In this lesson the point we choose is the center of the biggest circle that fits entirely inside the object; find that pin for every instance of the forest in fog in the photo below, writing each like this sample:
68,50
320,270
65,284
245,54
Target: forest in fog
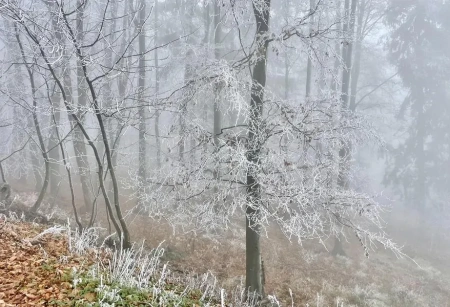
322,121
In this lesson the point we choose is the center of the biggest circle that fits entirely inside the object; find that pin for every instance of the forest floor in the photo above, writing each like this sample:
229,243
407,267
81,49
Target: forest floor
42,265
31,272
38,267
308,275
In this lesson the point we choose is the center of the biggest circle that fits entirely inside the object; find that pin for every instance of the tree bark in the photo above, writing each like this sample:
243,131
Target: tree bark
253,281
309,64
217,88
188,73
337,49
345,149
142,169
53,154
347,54
79,145
183,106
35,164
357,60
69,174
157,113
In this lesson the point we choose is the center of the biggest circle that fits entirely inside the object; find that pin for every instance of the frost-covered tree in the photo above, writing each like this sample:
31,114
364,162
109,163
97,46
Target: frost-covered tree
80,41
271,170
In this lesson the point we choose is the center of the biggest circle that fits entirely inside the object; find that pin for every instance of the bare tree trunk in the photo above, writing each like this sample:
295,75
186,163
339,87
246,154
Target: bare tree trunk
108,94
142,171
69,174
121,87
345,150
124,234
33,149
287,70
420,185
38,202
157,114
2,173
19,135
357,60
35,164
347,50
337,49
309,65
347,54
188,72
189,75
53,154
79,145
253,281
217,88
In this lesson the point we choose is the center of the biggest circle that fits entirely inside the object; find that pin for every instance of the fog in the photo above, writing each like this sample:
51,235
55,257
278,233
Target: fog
299,136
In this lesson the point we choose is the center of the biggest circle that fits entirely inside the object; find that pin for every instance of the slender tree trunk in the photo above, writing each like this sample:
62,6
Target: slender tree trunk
69,174
349,30
182,109
337,50
285,143
37,127
33,148
217,89
345,30
79,144
420,185
18,133
2,173
142,173
345,150
35,164
188,73
109,96
53,154
253,281
157,114
122,230
312,5
78,139
124,234
121,87
190,70
347,54
357,59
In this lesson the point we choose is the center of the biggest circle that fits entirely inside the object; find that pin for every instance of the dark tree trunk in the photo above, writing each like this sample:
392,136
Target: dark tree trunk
217,110
309,64
37,127
79,144
253,281
53,154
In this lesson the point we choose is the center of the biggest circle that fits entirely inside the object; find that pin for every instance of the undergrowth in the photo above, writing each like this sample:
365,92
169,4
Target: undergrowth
137,277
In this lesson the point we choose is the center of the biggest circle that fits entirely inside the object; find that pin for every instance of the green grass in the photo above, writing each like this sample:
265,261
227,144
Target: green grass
90,291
